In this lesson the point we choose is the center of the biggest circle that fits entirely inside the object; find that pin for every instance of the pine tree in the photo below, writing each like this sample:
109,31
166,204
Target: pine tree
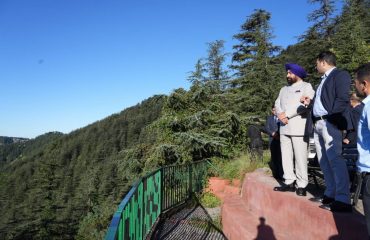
214,64
253,62
350,40
323,21
45,207
317,38
197,76
366,20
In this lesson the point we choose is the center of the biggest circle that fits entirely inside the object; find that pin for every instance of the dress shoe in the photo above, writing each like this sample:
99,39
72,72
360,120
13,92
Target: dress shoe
324,199
301,192
337,206
285,188
325,206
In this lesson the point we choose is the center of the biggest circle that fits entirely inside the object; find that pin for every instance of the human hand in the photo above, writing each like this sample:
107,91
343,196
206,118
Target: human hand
305,100
284,120
281,116
346,141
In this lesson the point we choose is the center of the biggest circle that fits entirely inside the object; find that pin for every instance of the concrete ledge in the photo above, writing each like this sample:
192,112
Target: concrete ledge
296,216
240,223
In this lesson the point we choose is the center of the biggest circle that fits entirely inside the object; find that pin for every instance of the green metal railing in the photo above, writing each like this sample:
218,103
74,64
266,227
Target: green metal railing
153,194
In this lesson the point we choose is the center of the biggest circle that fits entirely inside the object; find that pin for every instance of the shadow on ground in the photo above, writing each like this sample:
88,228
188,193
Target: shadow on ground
190,221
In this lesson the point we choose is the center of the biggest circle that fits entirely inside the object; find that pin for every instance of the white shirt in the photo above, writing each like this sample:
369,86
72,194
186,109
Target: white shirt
318,108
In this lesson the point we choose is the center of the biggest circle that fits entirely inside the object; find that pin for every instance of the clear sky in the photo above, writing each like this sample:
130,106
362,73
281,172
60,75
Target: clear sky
67,63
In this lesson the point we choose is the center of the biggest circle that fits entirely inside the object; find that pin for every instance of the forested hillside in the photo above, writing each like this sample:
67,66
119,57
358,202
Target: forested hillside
68,186
60,182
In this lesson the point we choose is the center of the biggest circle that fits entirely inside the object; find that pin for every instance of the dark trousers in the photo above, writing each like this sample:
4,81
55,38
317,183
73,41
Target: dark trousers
256,149
276,164
366,200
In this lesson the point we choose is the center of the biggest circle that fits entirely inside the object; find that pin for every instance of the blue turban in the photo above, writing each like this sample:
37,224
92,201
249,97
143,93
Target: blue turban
296,70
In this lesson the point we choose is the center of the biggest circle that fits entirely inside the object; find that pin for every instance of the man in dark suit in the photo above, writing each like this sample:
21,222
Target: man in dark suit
330,114
272,129
351,136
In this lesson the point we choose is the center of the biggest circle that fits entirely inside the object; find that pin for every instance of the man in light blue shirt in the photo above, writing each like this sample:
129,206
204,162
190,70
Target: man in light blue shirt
319,109
362,84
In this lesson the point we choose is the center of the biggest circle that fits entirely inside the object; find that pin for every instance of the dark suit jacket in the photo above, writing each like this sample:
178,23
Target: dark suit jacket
271,126
355,116
335,99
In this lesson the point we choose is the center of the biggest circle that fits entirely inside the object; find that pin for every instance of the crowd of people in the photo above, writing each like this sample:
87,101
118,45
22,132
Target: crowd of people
333,117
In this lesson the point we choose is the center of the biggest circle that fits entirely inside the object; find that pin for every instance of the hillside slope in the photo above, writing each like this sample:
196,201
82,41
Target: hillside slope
58,185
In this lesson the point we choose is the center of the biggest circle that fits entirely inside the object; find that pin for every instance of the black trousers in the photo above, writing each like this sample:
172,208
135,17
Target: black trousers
276,164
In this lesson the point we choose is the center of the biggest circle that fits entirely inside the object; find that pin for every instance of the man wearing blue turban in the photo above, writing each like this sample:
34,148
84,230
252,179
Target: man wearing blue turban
293,115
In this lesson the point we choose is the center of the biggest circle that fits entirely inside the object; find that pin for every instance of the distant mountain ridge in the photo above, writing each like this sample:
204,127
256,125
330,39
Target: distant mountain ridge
9,140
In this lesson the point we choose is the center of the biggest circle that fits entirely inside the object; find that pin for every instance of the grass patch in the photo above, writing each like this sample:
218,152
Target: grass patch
209,200
238,167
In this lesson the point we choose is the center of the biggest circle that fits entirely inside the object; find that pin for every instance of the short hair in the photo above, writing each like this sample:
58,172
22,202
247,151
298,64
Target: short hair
328,57
363,72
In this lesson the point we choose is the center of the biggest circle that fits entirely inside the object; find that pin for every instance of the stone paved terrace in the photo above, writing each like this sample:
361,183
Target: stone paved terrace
285,216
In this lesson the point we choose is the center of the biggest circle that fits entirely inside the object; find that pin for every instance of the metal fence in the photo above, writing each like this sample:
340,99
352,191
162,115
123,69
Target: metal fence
153,194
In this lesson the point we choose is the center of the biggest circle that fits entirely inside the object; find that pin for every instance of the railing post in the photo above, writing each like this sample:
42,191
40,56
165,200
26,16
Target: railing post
143,208
190,180
162,189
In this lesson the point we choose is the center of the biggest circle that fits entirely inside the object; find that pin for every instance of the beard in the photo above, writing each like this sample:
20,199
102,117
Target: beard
291,80
358,93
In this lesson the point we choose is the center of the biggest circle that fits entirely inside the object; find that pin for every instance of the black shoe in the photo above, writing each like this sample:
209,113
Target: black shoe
285,188
325,206
338,206
301,191
324,199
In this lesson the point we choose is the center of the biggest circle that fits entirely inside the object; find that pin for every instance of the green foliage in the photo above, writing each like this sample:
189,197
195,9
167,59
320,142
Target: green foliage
253,58
323,21
197,76
236,168
94,224
209,200
61,185
214,65
350,40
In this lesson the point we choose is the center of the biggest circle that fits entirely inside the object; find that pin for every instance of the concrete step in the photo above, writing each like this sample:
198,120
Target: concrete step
296,216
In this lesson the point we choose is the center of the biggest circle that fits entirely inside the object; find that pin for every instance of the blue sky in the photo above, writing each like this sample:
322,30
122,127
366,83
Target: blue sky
67,63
